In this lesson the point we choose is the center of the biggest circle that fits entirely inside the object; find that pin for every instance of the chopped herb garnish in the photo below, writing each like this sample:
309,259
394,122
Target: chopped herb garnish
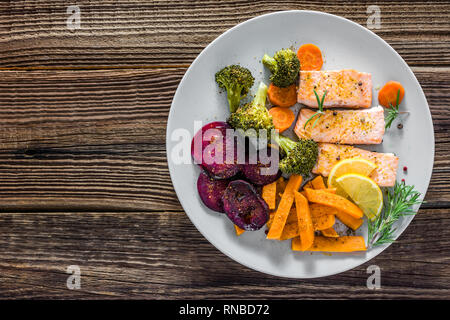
318,113
392,112
399,202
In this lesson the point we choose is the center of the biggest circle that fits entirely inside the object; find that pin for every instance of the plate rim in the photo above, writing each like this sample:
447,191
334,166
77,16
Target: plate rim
224,34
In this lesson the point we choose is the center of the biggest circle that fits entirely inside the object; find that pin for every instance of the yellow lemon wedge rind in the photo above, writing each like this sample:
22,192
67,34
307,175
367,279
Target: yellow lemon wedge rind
364,192
353,165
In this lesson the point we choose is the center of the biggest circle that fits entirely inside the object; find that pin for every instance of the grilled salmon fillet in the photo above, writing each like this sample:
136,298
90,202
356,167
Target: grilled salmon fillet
329,154
345,88
343,126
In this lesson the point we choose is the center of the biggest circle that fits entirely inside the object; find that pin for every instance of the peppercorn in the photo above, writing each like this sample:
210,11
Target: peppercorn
400,126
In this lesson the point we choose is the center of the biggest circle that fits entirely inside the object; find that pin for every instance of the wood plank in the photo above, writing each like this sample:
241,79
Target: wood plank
167,33
86,140
65,108
95,140
162,255
437,90
82,141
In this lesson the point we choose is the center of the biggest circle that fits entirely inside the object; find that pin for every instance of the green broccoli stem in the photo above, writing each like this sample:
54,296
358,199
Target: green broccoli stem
260,96
269,62
234,98
285,143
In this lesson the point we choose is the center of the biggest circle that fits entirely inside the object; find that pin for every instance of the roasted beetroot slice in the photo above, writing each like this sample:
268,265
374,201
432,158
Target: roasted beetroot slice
259,173
197,152
253,174
210,141
211,191
244,206
222,170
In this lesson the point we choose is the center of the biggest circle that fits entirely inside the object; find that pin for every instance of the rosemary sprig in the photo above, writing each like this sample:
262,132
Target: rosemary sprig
399,203
392,112
318,113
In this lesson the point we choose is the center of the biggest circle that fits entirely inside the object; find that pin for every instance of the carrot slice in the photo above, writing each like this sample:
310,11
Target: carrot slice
305,224
349,221
341,244
323,222
269,194
239,231
282,118
282,97
318,183
387,96
335,201
269,222
291,229
281,184
308,185
284,207
310,57
320,209
330,233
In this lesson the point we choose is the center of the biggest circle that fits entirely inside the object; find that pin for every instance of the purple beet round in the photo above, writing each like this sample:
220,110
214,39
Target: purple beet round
213,137
260,173
244,206
211,191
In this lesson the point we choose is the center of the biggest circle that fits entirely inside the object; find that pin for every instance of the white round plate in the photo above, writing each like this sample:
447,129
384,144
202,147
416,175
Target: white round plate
344,44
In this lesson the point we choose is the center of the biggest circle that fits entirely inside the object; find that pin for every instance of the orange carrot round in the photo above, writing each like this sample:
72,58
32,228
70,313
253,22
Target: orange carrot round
282,118
310,57
282,97
387,96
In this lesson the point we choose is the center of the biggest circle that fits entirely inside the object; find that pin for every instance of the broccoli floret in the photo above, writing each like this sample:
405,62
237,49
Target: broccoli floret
285,67
253,115
237,81
301,156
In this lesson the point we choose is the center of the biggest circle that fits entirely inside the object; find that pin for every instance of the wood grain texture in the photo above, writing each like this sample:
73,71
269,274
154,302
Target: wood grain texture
123,255
166,33
84,178
95,140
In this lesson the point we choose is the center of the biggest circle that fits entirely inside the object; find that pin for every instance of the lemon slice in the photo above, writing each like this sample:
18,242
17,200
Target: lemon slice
364,192
353,165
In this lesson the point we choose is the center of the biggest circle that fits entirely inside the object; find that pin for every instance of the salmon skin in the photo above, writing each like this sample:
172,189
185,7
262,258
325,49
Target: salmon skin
343,126
329,154
345,88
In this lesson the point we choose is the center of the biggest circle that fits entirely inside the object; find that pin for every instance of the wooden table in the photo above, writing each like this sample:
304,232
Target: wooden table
83,173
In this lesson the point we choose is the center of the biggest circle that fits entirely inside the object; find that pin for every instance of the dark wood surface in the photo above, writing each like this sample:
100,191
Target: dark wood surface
83,173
